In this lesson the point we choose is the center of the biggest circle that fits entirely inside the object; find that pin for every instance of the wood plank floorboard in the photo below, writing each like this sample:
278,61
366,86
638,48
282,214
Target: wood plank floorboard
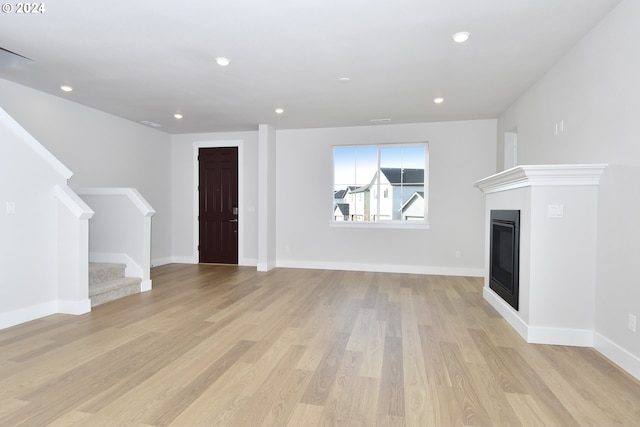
220,345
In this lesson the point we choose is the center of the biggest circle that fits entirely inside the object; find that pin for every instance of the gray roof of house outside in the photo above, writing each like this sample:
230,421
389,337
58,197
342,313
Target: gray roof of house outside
397,176
344,208
361,189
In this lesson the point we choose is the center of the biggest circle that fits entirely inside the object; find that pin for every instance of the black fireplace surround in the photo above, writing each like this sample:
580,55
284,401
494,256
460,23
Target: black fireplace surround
504,263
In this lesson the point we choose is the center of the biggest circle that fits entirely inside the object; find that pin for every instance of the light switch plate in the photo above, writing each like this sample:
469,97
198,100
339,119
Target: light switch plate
555,211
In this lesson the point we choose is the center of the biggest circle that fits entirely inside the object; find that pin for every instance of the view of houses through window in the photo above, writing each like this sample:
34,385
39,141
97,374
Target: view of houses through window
380,182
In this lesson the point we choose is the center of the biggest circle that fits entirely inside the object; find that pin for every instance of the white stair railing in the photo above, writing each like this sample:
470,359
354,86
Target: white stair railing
73,252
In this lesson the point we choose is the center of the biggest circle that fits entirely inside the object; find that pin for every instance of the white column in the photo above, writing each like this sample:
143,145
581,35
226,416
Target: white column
266,198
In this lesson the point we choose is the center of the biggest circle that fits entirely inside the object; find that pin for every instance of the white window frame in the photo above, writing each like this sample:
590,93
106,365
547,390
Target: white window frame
400,224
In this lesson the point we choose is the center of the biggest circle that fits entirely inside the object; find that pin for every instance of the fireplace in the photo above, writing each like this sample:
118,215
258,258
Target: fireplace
555,258
504,262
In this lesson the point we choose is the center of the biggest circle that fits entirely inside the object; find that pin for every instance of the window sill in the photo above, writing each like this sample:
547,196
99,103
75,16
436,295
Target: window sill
408,225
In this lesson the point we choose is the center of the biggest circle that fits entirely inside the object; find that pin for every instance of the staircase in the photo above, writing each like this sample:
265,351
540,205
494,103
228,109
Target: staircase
107,282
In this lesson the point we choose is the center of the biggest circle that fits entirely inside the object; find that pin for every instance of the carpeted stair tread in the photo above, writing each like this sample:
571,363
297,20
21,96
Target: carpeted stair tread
107,282
113,289
110,285
104,272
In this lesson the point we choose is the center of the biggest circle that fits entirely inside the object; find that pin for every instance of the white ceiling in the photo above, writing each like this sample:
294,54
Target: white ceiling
148,59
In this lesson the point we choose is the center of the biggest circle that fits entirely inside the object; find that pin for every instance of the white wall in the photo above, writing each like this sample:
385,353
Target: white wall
101,150
185,211
594,91
460,153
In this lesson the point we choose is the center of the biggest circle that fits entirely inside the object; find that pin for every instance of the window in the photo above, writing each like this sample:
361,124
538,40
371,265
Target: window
398,172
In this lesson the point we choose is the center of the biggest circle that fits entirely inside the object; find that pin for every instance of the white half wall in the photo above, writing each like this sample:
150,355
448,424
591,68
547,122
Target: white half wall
460,153
30,215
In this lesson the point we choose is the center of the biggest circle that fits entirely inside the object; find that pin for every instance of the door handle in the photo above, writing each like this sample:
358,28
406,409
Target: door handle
233,220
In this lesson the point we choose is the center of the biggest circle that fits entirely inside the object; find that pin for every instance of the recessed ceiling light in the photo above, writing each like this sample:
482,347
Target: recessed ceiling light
438,100
279,110
222,61
66,88
177,115
461,37
344,80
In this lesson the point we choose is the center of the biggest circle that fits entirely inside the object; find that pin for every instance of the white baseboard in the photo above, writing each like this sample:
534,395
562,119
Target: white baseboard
145,285
248,262
167,260
74,307
383,268
245,262
507,312
536,334
560,336
174,260
573,337
27,314
312,265
618,355
266,266
34,312
587,338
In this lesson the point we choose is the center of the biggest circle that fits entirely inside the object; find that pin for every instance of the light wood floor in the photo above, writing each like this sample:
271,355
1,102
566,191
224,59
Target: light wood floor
228,346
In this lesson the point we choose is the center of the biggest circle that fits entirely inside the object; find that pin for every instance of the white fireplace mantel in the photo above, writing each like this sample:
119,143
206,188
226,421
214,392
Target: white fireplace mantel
531,175
558,230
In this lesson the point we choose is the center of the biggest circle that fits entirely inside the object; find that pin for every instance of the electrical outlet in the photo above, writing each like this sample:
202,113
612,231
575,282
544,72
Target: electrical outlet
632,323
458,254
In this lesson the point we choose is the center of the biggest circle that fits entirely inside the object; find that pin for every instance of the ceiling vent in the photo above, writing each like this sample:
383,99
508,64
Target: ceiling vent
9,59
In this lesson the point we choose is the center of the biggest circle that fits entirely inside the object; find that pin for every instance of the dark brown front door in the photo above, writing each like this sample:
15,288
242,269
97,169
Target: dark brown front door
218,217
